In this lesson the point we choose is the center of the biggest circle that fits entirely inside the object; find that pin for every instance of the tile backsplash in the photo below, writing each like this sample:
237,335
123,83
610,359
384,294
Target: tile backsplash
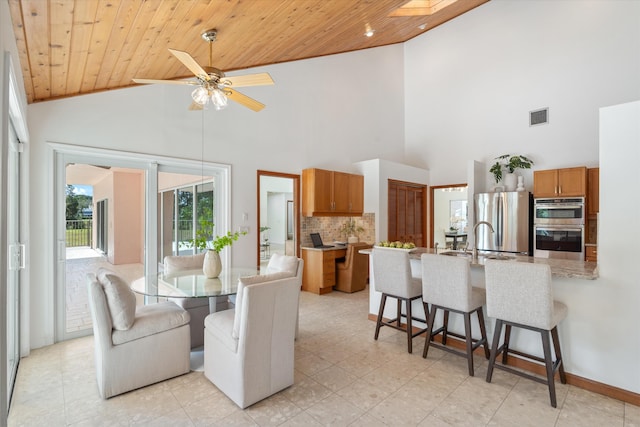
329,228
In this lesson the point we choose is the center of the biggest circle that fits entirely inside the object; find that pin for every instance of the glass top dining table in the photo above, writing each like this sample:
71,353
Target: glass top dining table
193,283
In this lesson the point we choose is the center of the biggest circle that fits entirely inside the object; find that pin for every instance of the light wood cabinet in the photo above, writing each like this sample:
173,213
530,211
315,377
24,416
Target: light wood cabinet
593,192
319,272
568,182
330,193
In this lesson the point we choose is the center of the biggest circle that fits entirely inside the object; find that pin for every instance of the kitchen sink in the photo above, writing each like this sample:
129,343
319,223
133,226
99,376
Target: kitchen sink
499,256
456,253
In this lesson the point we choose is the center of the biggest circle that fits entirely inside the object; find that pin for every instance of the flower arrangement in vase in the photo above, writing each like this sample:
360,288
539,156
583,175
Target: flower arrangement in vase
350,230
204,241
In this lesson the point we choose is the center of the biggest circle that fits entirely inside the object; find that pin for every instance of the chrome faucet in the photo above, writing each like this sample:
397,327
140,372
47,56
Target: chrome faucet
475,237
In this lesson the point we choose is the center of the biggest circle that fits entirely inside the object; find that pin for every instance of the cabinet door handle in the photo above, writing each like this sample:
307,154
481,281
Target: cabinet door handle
560,189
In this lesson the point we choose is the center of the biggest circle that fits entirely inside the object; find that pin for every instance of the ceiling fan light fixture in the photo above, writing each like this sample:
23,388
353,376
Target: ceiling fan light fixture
200,95
219,99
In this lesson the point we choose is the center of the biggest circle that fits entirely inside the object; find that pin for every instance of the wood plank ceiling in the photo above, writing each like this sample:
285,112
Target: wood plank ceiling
74,47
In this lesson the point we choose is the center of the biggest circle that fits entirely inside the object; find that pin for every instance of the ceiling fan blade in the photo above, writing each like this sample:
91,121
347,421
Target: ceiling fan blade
244,100
259,79
195,106
170,82
190,63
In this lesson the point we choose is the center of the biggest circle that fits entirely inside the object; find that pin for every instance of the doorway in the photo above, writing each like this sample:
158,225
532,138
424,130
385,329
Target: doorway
407,207
278,215
449,214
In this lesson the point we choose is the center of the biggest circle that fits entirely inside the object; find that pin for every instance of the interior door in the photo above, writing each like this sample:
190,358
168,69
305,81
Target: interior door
407,212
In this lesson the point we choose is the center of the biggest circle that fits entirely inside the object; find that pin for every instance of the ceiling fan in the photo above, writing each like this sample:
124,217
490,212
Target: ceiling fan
213,85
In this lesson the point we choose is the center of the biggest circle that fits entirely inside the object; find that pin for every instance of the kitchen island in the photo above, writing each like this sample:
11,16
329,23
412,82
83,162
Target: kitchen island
574,282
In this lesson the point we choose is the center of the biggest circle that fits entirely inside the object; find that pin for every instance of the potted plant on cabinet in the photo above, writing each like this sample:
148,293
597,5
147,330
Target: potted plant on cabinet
204,241
510,163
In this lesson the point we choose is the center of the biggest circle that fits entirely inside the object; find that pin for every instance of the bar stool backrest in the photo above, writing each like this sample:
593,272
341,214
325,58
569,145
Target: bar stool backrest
392,272
446,282
520,293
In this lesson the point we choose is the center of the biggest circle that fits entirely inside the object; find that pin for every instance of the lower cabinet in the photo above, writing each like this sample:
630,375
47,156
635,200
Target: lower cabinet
319,274
591,253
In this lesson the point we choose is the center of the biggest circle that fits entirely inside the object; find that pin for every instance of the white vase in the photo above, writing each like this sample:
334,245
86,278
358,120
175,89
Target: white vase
520,183
510,181
353,239
212,266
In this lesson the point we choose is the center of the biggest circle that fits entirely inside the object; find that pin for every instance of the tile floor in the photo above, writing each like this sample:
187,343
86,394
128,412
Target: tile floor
343,377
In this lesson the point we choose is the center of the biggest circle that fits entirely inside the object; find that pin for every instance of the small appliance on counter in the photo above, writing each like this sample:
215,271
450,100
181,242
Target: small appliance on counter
509,212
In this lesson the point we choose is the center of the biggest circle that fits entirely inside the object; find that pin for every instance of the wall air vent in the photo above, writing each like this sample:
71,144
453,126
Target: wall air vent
539,117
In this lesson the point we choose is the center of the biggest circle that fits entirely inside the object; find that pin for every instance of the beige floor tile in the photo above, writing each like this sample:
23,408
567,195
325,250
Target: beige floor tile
631,415
273,410
579,397
367,420
301,420
334,411
334,378
305,391
577,414
311,364
363,395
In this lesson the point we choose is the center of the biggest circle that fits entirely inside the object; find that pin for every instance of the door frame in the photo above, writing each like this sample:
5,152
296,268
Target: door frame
296,208
431,207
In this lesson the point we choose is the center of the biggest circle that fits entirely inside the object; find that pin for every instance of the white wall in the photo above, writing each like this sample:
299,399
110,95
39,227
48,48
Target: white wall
472,82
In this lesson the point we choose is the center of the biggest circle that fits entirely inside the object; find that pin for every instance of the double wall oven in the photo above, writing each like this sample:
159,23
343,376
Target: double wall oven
558,228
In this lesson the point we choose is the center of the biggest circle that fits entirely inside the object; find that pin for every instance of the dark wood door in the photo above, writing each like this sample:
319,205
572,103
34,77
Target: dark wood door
407,209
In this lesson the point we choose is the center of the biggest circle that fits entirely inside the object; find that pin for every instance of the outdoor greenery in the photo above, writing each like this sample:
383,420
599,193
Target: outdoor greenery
205,240
76,203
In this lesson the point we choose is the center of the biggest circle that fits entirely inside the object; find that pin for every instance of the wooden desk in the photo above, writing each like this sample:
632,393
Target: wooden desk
319,274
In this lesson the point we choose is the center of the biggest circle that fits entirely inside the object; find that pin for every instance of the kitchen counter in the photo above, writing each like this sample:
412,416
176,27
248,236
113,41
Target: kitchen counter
559,267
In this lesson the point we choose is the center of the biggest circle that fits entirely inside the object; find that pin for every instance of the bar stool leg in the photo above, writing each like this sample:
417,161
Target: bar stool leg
399,312
383,301
430,321
494,349
556,346
469,341
546,347
505,347
409,326
445,325
483,332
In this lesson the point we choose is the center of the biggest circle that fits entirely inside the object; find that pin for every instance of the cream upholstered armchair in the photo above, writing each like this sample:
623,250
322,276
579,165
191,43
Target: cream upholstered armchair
249,351
198,308
134,346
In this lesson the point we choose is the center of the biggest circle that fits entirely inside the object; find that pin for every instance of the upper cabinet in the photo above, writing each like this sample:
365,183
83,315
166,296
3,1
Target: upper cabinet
593,196
569,182
329,193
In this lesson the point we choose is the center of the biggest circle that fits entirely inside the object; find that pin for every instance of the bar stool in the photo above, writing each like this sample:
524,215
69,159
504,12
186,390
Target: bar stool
446,285
521,295
392,277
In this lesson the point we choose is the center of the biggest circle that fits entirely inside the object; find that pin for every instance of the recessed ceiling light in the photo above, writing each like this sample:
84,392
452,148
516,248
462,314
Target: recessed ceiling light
368,31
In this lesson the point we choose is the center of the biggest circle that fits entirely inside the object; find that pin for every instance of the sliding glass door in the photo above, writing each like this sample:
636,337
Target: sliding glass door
15,261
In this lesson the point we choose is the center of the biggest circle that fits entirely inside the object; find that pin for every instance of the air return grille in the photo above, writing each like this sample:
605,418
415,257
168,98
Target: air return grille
538,117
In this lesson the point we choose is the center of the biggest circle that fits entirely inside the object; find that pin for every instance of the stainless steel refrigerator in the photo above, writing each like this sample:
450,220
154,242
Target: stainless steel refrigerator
510,214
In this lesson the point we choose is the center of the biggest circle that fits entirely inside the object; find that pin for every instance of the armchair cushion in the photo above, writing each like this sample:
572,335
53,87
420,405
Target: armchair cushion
152,319
252,280
120,298
221,326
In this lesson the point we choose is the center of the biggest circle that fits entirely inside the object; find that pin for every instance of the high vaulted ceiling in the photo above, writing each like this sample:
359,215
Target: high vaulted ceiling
73,47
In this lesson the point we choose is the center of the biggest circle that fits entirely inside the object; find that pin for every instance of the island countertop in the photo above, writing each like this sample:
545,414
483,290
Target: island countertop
559,267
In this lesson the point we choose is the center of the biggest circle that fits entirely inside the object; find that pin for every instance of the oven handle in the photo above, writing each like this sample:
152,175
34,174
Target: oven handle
571,206
558,228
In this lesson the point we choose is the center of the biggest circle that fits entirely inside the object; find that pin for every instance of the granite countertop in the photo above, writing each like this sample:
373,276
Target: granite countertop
559,267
